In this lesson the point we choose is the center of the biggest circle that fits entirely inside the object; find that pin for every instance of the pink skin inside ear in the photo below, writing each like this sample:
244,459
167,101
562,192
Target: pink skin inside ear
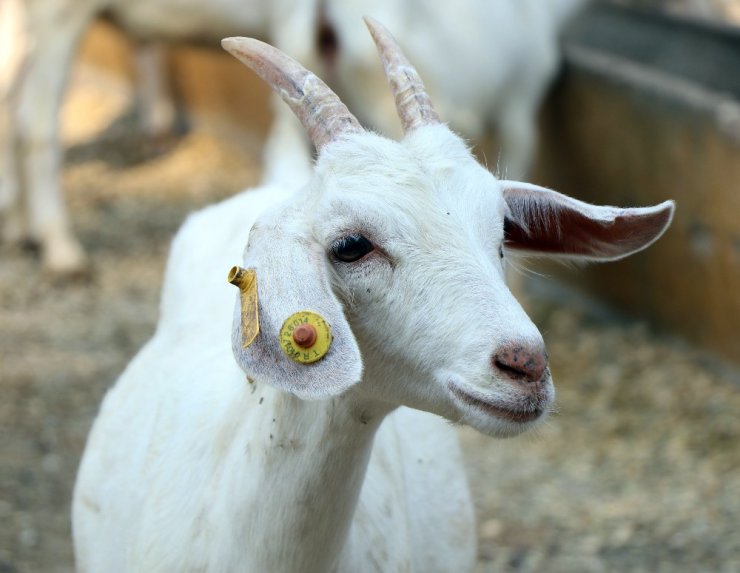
543,221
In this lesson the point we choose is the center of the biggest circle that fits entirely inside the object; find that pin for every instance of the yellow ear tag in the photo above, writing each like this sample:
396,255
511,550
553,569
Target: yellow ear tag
305,337
246,280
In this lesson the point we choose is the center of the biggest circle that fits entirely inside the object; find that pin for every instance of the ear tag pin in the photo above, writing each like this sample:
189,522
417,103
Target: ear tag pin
246,280
305,337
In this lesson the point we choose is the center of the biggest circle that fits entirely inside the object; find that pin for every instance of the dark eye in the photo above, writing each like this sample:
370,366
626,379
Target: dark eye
351,248
501,251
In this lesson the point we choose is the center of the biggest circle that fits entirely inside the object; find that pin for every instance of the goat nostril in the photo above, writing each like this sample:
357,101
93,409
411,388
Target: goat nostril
511,371
520,363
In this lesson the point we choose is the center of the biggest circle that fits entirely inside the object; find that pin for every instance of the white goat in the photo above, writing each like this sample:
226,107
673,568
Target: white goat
492,68
485,64
204,460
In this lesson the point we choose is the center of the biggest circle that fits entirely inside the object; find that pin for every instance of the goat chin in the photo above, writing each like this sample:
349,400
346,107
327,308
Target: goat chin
496,411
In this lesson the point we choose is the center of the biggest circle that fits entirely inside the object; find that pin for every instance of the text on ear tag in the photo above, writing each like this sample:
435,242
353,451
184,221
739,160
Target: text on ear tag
246,280
305,337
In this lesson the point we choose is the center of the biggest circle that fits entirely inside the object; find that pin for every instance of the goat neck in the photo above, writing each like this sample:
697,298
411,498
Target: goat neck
317,454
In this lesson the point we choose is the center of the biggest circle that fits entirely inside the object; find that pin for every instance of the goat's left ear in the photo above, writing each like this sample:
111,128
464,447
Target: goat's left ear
292,276
541,221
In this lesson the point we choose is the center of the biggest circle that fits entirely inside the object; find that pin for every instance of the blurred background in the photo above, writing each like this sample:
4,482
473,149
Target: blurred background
639,102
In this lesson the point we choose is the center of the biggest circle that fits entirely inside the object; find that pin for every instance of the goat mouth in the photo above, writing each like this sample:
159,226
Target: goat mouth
517,416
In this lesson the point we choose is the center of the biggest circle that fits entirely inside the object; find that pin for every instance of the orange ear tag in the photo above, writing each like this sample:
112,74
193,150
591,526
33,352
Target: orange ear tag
246,280
305,337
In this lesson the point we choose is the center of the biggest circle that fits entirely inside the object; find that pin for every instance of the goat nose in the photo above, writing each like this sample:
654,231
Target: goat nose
520,361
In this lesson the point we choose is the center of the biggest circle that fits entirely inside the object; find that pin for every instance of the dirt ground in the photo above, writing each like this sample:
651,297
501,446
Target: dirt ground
638,471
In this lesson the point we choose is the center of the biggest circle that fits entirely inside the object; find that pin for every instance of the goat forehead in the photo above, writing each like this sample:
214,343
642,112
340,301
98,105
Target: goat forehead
411,161
415,179
434,213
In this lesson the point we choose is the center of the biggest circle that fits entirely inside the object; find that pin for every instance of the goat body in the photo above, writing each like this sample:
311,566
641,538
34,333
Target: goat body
485,64
209,459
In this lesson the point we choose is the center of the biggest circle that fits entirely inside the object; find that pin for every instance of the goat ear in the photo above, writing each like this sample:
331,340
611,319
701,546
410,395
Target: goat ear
541,221
291,277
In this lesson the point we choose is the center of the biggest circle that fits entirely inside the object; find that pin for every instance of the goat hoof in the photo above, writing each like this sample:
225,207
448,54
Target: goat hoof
65,259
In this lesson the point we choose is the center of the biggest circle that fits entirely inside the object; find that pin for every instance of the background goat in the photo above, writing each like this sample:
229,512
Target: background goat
315,467
52,29
515,40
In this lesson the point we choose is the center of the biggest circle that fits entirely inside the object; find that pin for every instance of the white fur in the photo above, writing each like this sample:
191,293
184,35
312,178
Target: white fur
486,64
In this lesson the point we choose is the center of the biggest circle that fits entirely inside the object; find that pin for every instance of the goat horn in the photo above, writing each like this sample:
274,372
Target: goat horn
412,102
318,108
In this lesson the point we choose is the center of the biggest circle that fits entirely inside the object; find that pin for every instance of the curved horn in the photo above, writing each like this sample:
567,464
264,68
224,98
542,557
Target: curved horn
318,108
412,102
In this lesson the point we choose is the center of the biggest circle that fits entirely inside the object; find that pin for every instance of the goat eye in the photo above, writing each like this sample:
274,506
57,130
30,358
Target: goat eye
351,248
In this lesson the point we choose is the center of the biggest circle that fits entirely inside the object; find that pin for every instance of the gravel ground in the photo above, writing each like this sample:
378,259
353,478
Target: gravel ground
639,470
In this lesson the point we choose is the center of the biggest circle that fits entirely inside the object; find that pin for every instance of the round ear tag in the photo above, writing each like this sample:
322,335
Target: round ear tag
305,337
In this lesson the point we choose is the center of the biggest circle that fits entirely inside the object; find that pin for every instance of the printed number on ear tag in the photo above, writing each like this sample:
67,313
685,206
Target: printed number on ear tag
305,337
246,280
